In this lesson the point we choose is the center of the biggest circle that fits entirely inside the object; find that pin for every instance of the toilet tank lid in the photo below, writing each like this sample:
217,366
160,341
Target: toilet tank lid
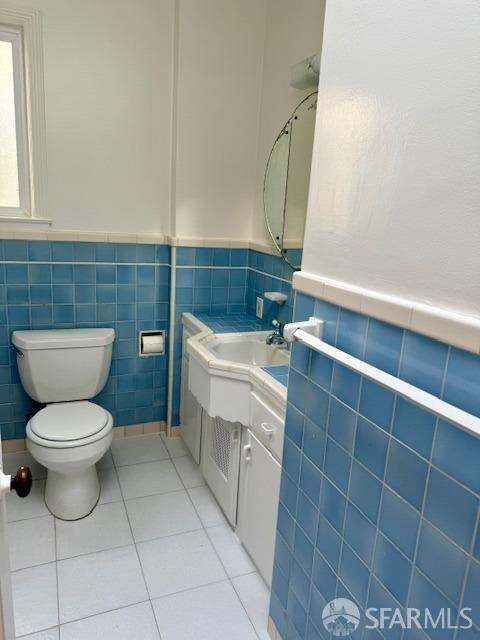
62,338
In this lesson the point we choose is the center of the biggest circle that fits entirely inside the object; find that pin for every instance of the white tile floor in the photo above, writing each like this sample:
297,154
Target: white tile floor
156,560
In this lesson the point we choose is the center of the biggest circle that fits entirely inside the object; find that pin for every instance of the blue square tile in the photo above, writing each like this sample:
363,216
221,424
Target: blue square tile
286,525
371,445
146,311
105,273
392,568
126,253
425,596
423,362
310,480
307,516
341,424
127,293
457,453
321,369
39,273
62,273
84,252
314,442
451,508
291,460
352,331
337,465
145,274
163,254
441,561
84,293
346,385
329,542
300,584
202,296
294,425
354,574
106,312
39,250
62,293
62,251
203,256
304,306
324,579
303,551
376,404
381,598
237,278
17,294
185,256
384,345
145,293
84,313
105,293
16,249
126,274
399,522
203,277
220,278
297,618
414,426
184,278
41,315
239,257
365,491
63,314
332,505
84,274
461,383
359,533
221,257
406,474
16,273
329,314
146,253
104,252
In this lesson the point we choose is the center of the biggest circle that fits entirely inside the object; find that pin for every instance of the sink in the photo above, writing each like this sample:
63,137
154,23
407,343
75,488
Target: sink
248,349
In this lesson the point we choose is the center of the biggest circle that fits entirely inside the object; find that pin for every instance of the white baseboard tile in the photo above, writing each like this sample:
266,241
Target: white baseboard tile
272,630
453,328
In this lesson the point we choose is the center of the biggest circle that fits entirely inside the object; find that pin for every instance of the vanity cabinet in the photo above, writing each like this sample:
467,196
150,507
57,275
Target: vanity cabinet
259,489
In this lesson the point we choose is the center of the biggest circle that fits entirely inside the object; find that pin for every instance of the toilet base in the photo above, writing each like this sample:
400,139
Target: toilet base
72,495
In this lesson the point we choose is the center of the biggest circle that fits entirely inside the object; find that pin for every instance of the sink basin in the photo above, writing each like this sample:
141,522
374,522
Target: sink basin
247,349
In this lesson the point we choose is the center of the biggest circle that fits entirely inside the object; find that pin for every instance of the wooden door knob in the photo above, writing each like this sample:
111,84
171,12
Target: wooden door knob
22,482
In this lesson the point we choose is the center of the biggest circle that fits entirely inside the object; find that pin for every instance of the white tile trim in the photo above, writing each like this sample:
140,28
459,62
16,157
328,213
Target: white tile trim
447,326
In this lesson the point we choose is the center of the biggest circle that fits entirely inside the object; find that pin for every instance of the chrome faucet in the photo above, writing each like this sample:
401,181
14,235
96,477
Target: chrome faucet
277,336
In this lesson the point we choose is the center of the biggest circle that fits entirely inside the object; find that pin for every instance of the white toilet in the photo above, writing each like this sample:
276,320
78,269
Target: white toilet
64,368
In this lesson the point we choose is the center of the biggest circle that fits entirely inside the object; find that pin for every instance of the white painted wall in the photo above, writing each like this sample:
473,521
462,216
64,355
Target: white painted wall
395,190
219,81
108,78
293,32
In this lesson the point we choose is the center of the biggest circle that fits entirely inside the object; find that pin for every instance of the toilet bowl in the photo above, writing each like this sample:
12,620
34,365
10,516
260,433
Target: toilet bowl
65,368
69,438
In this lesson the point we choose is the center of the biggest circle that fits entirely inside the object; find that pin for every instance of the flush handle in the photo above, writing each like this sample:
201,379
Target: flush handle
247,452
267,429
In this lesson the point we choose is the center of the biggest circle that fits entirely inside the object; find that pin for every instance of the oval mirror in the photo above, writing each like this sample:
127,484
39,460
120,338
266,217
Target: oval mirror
287,177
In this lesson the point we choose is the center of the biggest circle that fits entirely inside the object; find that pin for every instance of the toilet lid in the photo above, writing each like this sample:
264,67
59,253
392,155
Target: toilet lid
63,421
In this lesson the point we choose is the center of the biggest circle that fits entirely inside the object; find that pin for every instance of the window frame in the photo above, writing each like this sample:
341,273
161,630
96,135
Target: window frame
28,22
14,36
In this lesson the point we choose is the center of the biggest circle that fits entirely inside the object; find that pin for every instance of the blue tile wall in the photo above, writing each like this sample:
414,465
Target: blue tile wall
379,500
45,285
224,283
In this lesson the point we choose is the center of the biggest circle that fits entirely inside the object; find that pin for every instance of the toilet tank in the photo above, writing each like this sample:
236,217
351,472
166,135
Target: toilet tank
63,364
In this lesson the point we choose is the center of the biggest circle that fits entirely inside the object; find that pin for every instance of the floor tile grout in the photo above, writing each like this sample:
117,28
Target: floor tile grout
135,544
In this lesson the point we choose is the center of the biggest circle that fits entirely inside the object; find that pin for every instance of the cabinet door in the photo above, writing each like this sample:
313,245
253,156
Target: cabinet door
258,503
220,460
191,415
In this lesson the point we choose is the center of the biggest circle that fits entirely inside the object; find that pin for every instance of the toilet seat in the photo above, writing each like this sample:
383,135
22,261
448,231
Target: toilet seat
69,424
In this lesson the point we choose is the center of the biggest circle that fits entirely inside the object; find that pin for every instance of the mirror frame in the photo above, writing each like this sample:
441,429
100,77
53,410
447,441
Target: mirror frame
279,248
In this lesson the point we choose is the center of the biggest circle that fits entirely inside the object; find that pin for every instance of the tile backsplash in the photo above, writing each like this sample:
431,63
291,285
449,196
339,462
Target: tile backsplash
47,285
379,499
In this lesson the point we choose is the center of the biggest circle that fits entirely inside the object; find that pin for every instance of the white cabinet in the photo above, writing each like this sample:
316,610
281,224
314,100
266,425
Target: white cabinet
258,502
190,410
220,461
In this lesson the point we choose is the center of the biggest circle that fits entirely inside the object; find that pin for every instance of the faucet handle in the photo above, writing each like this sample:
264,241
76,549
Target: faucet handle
275,323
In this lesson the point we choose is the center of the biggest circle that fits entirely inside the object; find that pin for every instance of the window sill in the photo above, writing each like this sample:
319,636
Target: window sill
23,220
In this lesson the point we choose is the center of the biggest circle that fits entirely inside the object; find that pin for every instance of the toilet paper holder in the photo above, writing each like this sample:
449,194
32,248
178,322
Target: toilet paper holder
151,343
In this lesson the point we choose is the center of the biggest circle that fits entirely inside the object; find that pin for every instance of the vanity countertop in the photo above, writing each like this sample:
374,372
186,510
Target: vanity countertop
279,372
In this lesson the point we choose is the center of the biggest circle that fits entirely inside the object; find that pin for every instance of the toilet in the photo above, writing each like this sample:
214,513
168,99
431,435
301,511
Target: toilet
63,369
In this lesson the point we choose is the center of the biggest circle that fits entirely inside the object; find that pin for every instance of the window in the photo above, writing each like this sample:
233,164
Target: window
22,116
14,170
